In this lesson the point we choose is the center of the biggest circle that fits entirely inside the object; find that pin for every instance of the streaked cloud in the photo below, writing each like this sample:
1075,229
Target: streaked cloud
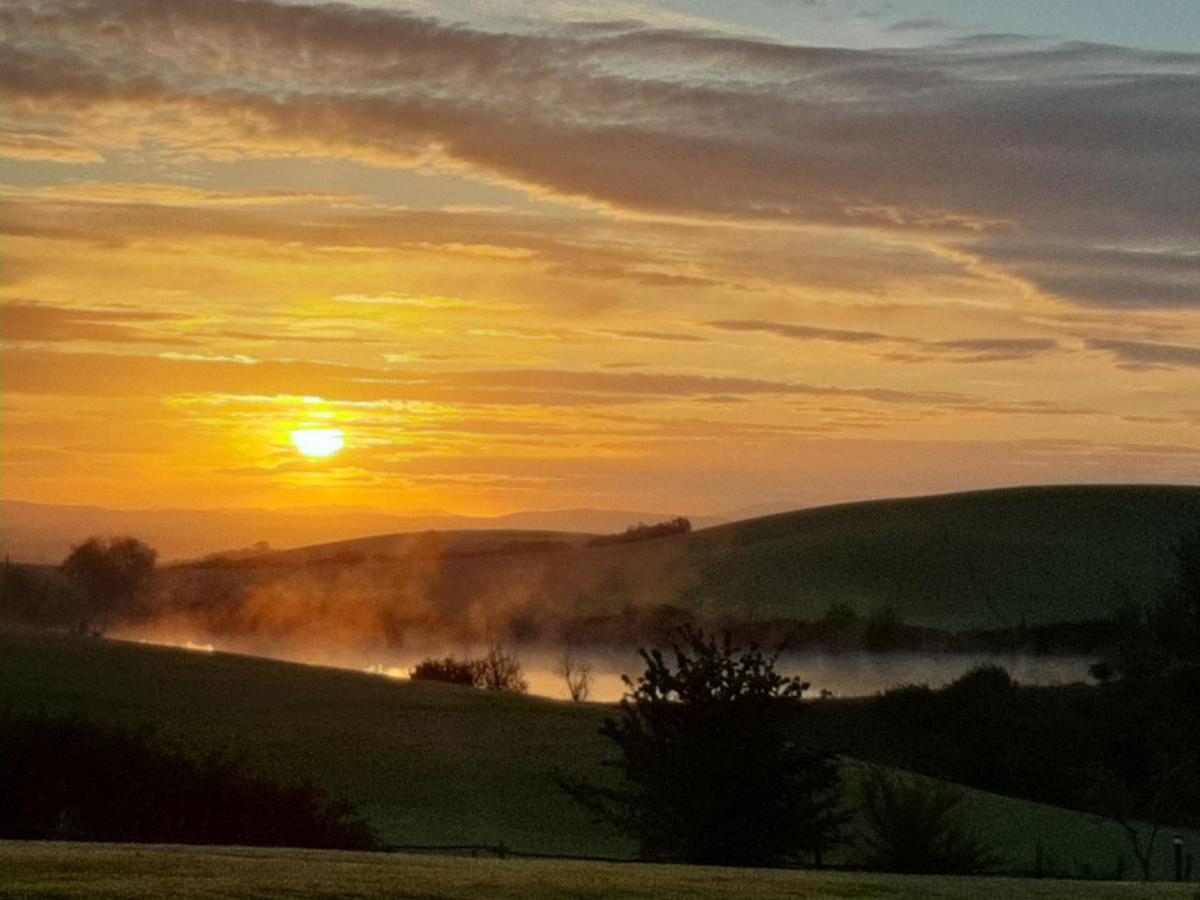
1145,355
517,255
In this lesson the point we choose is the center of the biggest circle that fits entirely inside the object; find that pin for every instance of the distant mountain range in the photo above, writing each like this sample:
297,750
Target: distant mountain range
45,533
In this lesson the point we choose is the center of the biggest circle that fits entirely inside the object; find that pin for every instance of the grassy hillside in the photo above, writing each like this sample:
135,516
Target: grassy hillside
427,763
986,559
65,871
428,543
983,560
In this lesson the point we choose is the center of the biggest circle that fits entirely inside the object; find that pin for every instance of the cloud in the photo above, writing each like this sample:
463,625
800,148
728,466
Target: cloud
672,337
186,195
977,350
909,25
1109,276
967,350
800,332
24,322
46,148
1140,356
1077,145
127,375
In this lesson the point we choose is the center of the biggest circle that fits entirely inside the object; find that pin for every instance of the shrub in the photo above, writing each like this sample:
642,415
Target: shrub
500,670
917,825
497,670
72,779
643,532
449,670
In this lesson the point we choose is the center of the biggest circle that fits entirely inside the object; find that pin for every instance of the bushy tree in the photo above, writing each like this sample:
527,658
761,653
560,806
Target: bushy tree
918,825
109,574
711,771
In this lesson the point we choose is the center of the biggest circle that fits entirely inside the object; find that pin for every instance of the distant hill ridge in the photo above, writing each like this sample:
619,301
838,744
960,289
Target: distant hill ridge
44,533
995,559
984,559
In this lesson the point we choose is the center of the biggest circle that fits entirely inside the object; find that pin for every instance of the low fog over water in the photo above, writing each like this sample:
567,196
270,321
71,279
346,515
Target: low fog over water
845,674
842,674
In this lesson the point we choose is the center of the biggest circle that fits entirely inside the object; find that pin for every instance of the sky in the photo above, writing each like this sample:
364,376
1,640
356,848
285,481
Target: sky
688,256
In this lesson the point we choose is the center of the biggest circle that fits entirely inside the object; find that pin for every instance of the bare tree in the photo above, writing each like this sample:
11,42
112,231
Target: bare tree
576,673
500,670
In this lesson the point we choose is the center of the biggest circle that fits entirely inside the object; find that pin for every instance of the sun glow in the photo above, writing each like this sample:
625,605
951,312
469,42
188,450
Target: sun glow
317,443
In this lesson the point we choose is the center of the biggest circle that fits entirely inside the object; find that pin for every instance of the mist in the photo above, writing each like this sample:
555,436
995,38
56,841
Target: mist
856,674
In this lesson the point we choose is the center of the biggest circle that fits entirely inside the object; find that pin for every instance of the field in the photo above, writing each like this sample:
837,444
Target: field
428,764
119,871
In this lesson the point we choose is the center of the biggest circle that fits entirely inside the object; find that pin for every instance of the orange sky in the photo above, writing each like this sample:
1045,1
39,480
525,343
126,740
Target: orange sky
558,264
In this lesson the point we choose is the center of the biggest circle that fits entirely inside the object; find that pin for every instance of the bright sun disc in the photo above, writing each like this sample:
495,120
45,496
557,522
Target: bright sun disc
318,442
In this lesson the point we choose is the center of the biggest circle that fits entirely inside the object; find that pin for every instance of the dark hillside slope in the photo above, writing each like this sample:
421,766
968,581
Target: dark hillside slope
425,763
981,559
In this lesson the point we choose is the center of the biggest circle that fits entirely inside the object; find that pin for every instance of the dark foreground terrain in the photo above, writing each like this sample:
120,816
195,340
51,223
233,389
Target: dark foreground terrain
86,871
430,764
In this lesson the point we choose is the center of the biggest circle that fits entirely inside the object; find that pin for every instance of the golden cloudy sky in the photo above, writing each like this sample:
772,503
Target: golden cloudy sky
534,256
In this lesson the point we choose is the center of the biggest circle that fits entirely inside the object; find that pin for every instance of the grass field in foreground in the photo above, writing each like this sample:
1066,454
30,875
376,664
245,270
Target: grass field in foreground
66,871
431,763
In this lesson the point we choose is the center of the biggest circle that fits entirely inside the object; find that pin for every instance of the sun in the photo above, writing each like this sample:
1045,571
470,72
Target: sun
317,443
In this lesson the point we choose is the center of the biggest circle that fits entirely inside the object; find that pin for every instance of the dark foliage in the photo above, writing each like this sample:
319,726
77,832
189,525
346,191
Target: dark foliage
710,771
449,670
1111,749
109,575
642,532
1174,618
985,731
917,825
497,670
884,631
500,670
71,779
39,596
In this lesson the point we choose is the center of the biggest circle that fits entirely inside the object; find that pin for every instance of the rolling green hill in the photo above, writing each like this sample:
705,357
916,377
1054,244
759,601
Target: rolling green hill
998,559
988,559
426,763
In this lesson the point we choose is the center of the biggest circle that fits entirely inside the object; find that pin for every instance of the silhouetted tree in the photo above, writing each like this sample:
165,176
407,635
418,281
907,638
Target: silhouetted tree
1169,791
1174,617
883,631
1163,634
449,670
711,772
576,674
500,670
109,574
840,627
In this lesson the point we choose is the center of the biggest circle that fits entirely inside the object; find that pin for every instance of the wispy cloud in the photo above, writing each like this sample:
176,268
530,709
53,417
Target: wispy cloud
1145,355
